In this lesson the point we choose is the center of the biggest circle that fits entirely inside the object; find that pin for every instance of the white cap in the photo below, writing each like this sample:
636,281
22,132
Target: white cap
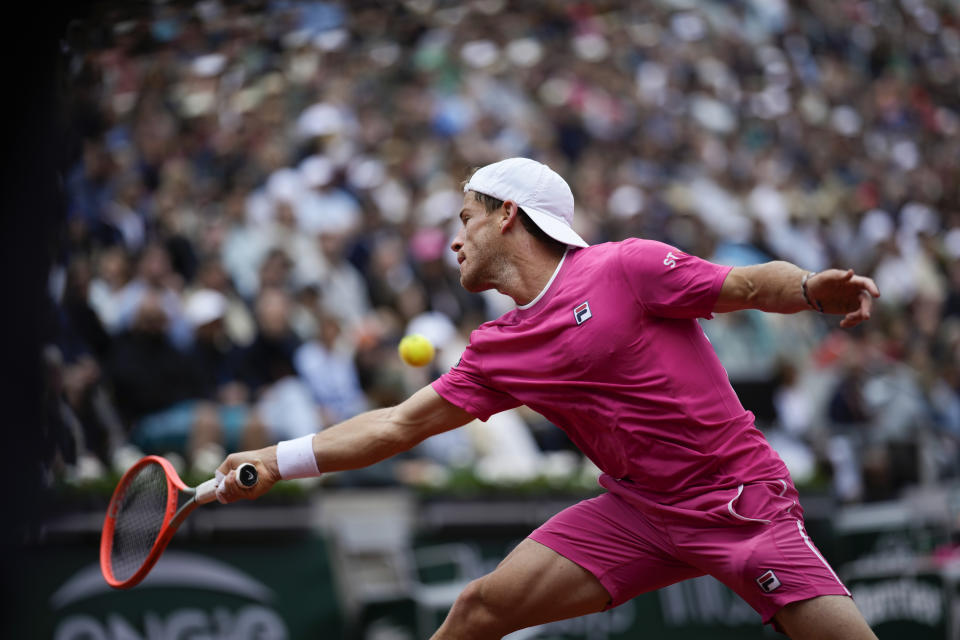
208,65
316,171
321,119
537,189
285,185
204,306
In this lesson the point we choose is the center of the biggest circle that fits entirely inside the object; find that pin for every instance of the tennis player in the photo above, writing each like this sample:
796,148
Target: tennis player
605,343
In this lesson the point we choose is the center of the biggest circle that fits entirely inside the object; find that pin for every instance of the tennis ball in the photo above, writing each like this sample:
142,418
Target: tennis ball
416,350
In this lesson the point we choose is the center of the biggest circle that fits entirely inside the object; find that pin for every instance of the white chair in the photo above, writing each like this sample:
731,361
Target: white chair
459,562
371,564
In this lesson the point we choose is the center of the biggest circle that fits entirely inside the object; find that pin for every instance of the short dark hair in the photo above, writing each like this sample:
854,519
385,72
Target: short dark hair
491,204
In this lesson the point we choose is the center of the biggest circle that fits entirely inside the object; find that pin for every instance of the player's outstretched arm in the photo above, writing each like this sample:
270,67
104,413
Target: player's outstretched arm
358,442
781,287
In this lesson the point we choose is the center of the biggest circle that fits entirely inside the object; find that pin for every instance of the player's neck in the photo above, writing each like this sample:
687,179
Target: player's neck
532,270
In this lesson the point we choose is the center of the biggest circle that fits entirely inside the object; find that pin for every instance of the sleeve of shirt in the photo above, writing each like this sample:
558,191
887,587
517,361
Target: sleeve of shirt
670,283
466,386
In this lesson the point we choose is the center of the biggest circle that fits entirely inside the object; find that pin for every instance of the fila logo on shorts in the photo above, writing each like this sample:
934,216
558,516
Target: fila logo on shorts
768,581
582,312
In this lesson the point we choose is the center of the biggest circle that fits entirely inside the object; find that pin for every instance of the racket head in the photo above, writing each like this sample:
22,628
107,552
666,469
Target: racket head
136,528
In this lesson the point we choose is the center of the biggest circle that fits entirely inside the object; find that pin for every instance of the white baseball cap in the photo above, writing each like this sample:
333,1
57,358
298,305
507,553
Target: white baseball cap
205,306
537,189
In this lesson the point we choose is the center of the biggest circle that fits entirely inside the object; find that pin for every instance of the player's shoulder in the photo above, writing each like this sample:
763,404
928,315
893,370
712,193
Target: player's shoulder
485,329
642,244
608,251
493,326
595,252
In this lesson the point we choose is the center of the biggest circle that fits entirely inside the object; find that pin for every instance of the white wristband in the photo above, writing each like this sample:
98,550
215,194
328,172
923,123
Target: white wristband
295,458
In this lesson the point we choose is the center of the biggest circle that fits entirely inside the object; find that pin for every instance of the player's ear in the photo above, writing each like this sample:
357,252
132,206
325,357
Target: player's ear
508,215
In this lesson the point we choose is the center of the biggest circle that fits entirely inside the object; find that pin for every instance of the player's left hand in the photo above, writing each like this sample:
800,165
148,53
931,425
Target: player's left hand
229,490
843,292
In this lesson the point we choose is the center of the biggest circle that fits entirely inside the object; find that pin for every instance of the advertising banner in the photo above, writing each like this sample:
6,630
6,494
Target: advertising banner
263,591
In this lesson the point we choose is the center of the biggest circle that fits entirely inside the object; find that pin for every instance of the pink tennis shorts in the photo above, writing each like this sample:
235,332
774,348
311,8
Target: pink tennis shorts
751,538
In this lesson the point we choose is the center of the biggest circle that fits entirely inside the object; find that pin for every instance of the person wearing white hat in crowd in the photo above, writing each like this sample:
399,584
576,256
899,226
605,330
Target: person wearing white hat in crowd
604,342
213,351
216,360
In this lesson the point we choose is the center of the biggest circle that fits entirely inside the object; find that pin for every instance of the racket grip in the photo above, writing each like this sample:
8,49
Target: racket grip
207,492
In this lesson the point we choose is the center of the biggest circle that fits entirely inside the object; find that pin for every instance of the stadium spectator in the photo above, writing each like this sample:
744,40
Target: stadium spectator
158,389
283,401
106,289
155,275
327,365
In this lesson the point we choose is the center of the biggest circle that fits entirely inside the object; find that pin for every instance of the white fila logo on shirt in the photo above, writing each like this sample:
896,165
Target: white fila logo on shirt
582,312
768,581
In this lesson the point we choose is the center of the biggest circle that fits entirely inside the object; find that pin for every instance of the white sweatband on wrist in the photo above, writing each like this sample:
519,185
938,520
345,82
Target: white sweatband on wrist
295,458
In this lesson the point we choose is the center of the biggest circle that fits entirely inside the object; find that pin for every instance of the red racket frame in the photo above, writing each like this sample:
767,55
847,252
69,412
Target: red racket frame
174,487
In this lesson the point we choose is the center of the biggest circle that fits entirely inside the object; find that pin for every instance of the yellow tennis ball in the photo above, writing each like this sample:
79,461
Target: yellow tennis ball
416,350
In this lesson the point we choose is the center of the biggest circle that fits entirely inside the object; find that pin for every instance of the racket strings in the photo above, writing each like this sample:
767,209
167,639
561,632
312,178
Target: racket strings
138,521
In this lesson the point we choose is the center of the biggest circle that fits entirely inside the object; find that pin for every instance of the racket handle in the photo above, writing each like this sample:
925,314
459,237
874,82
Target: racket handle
247,474
207,492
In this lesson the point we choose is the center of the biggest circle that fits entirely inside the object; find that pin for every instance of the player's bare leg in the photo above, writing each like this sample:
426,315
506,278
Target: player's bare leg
824,618
532,585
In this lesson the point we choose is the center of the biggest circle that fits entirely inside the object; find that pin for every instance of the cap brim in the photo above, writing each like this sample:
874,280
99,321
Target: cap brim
556,229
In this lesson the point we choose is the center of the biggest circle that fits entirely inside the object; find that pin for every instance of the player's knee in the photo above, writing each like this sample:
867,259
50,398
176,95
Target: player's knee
479,613
475,604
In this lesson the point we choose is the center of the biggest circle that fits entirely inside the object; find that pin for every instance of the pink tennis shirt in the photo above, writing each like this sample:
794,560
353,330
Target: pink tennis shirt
612,353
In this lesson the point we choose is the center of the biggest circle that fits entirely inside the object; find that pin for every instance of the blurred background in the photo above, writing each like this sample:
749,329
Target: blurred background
255,202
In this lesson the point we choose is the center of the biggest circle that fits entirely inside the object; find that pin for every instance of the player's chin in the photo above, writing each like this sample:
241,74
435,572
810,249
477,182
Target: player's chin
469,283
473,286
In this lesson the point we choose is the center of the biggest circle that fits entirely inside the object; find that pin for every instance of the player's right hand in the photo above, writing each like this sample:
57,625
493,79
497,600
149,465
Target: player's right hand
229,490
844,293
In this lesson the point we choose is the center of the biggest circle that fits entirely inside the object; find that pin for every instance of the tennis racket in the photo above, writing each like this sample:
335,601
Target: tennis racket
143,515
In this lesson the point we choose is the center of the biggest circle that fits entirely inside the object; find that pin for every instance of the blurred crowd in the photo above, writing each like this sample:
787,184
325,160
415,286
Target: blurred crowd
261,196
